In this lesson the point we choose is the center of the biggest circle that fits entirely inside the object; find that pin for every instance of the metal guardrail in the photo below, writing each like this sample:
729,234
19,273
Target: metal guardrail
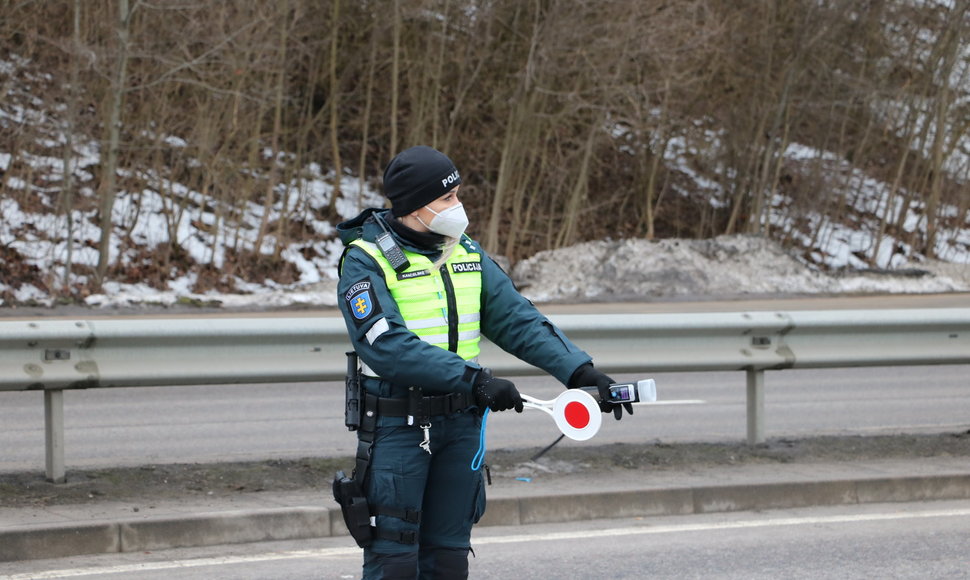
54,355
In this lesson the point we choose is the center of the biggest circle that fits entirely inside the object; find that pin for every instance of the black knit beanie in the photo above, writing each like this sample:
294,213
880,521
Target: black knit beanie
416,177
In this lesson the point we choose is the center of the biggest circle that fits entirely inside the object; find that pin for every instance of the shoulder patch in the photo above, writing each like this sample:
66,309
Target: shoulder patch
361,301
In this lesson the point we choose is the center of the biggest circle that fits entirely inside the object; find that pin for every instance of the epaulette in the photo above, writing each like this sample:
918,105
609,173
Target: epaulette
470,244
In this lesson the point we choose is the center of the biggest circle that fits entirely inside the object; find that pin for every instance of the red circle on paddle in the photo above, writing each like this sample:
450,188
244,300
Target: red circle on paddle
577,415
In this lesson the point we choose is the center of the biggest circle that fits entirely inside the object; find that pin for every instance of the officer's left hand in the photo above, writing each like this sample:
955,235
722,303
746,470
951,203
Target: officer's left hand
588,376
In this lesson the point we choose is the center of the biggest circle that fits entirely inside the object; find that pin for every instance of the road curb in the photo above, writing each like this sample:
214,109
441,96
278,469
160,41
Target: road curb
242,526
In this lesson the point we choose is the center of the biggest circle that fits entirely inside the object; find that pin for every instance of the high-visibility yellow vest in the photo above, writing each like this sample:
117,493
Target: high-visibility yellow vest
442,307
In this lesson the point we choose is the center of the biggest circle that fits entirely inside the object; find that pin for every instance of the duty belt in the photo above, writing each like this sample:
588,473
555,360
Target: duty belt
431,406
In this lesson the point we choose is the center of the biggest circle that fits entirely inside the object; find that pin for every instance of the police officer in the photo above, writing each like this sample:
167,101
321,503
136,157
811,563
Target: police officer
416,294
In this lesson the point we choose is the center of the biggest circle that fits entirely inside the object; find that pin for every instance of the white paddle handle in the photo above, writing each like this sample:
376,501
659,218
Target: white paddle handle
534,403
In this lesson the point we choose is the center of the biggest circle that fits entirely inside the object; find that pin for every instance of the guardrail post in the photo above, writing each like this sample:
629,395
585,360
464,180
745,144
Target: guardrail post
756,406
54,434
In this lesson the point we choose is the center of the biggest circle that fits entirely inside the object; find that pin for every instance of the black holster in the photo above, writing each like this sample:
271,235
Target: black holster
349,491
353,506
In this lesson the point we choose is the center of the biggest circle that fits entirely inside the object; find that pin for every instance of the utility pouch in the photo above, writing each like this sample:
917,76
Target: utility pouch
418,412
353,506
352,401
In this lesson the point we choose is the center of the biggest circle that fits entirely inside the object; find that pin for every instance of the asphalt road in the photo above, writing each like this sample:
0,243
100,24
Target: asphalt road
901,541
137,426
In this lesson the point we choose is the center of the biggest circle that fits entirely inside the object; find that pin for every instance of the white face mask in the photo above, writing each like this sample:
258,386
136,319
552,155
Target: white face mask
450,222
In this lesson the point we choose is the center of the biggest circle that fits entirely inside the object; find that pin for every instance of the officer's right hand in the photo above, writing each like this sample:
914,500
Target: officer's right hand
586,375
496,394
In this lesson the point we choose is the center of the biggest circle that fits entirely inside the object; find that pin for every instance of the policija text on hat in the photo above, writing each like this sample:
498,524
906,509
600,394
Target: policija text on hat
417,294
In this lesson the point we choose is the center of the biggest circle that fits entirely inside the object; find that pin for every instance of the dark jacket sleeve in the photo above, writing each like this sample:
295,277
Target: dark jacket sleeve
514,324
381,338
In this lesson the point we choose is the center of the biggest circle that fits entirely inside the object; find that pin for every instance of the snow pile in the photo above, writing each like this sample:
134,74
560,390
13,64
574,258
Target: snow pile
721,267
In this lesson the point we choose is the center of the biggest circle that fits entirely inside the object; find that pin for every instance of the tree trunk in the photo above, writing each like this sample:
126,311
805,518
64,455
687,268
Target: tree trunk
578,193
110,170
395,72
272,175
335,106
67,181
365,120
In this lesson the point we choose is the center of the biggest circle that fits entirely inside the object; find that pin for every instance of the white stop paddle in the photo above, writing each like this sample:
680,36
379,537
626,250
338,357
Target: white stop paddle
577,413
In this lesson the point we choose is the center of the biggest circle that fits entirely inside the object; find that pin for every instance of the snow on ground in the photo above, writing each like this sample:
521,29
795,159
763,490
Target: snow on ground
602,270
626,270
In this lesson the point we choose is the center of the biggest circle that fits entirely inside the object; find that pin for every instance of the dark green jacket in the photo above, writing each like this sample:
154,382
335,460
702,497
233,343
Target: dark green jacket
400,358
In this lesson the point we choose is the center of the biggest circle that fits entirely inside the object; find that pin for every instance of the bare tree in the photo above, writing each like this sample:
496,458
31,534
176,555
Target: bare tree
273,174
70,126
110,168
335,104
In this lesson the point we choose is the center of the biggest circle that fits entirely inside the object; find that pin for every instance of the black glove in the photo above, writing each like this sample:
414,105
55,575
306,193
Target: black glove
587,376
495,393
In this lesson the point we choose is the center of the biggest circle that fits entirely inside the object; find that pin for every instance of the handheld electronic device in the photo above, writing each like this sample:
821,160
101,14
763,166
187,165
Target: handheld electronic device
643,391
623,393
392,251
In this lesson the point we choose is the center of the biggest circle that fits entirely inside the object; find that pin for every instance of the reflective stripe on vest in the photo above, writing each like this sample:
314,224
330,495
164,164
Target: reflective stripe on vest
441,307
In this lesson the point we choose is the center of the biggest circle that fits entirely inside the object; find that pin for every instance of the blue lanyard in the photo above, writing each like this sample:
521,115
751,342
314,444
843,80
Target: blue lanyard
480,455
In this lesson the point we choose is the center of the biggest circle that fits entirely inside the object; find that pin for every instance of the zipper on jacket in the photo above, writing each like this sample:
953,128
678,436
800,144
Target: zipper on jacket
452,309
